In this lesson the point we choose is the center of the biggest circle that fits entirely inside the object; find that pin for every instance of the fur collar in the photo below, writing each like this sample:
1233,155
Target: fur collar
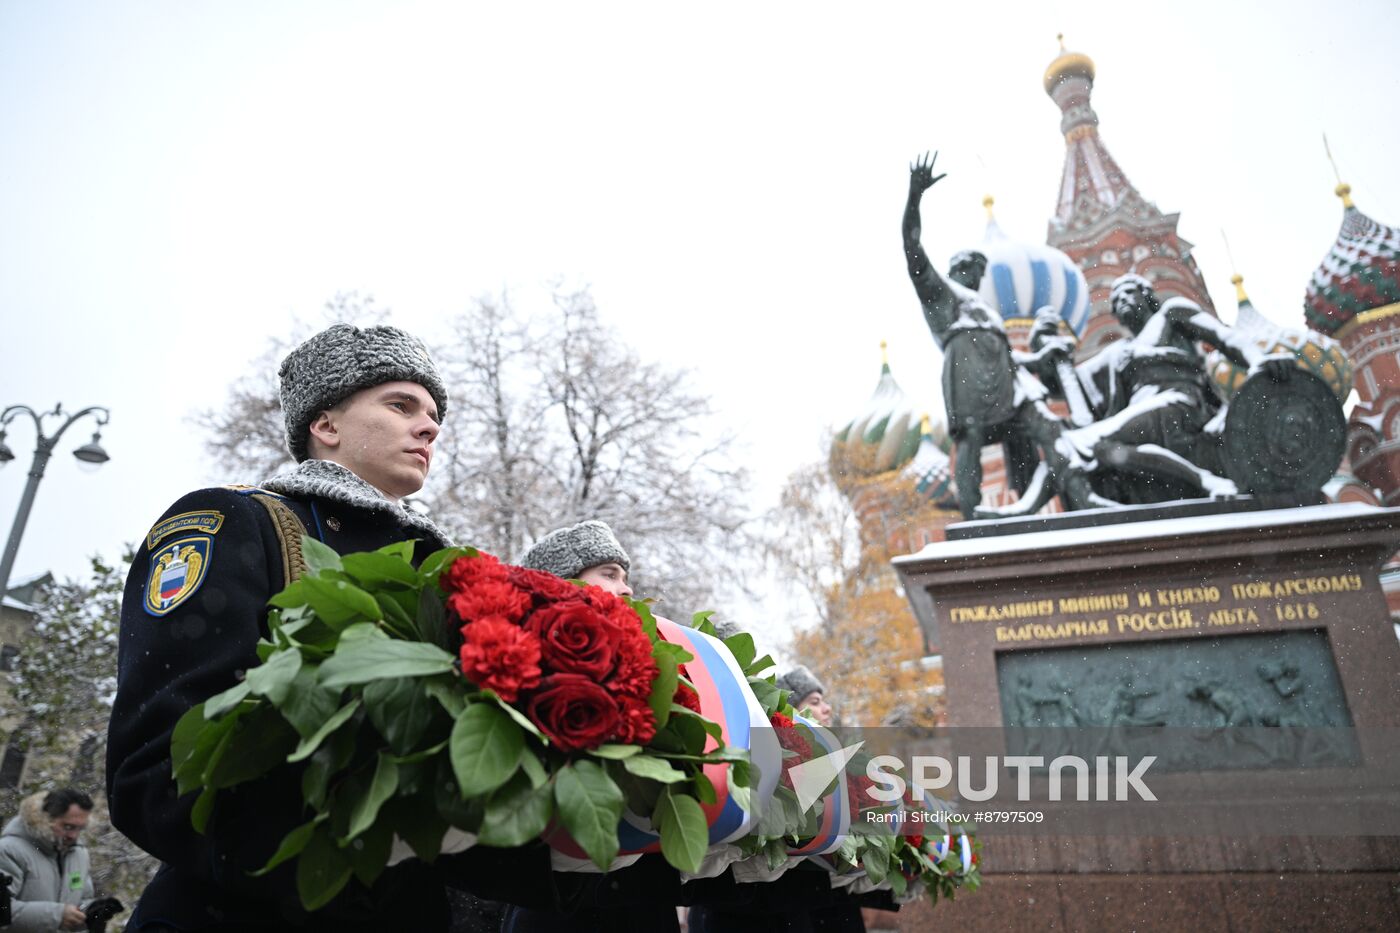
327,480
32,823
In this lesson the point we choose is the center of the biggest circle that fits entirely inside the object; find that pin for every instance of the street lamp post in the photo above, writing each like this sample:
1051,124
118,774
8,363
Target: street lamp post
90,452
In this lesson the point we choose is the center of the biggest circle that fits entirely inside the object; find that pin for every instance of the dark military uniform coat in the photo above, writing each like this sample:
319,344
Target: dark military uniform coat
194,608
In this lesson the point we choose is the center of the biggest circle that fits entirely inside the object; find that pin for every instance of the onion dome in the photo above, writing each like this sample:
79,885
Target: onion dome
1068,65
885,434
1360,275
931,469
1023,277
1317,353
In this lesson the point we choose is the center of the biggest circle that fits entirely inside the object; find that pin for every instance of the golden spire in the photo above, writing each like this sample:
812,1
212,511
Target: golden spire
925,425
987,202
884,353
1060,37
1236,279
1343,190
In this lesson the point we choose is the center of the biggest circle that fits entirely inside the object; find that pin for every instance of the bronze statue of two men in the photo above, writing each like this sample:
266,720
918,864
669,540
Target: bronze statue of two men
1147,423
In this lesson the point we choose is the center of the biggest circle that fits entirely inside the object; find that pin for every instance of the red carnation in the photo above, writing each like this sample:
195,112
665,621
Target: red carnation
545,587
686,695
635,670
574,712
499,656
489,598
915,840
790,740
574,638
638,723
465,572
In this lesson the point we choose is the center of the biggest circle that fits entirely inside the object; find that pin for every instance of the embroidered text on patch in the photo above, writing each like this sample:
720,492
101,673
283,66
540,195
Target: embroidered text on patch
206,521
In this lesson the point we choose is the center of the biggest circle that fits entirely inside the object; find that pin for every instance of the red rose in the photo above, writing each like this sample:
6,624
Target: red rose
638,725
915,840
574,638
464,572
499,656
545,587
574,712
489,598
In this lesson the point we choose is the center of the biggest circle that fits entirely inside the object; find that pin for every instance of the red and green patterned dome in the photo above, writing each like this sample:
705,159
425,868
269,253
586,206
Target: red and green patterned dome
1361,273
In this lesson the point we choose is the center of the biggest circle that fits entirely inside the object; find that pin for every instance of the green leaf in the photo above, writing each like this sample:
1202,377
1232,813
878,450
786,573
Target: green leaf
290,597
292,845
431,619
664,687
643,610
221,703
401,710
516,813
423,754
520,718
448,695
739,791
741,646
319,556
381,788
191,743
741,768
372,569
705,790
767,694
308,704
437,561
416,820
485,749
273,678
338,602
684,833
590,806
363,661
700,621
330,758
322,870
311,743
203,809
653,769
396,615
532,768
258,744
759,666
369,852
615,752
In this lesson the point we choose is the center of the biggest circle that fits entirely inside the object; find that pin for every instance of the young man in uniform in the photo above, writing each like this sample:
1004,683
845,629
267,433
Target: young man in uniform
362,410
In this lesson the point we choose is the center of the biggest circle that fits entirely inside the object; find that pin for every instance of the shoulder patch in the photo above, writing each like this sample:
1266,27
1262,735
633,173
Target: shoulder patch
177,570
205,521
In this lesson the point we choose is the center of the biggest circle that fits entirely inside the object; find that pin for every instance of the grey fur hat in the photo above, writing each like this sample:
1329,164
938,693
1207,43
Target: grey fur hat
799,682
340,361
568,552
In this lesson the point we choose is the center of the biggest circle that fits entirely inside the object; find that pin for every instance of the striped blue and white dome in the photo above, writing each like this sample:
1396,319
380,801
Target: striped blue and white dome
1021,278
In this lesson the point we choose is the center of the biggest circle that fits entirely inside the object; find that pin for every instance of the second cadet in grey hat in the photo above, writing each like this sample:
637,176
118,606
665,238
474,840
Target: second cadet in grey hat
340,361
568,552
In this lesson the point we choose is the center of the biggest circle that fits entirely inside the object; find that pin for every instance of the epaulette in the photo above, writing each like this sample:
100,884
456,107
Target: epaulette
286,523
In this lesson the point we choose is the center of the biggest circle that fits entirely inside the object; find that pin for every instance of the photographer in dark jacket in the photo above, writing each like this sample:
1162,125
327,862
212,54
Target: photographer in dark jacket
362,410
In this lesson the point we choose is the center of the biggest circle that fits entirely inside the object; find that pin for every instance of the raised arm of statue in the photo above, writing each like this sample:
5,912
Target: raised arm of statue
940,306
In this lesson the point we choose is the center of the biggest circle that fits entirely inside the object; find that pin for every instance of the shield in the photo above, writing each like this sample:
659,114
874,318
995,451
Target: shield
1284,436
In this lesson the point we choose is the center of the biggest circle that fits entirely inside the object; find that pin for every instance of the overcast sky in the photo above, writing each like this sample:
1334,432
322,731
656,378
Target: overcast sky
178,179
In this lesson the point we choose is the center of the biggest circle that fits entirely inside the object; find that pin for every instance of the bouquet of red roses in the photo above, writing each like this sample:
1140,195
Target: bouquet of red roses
462,699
